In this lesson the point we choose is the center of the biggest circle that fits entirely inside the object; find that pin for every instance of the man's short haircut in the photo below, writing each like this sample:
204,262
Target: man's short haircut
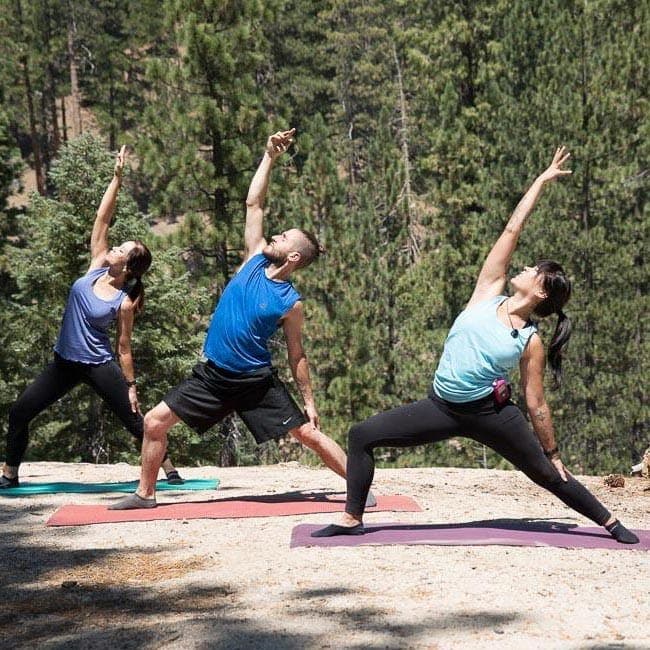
309,248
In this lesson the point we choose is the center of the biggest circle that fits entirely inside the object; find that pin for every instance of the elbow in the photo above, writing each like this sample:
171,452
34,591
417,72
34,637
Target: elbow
535,403
534,398
296,358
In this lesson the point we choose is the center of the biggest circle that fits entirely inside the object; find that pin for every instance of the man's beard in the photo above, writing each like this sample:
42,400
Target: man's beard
274,256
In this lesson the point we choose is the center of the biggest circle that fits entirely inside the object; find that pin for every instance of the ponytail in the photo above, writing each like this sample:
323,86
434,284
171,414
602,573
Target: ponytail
135,291
558,344
137,263
557,287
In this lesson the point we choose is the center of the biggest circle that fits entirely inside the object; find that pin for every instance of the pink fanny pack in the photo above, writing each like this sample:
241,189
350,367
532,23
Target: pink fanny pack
501,391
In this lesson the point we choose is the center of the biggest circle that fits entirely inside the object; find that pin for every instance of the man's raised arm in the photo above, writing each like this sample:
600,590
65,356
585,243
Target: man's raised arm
276,145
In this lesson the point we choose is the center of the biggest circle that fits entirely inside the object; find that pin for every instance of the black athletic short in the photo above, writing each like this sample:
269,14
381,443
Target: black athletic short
260,399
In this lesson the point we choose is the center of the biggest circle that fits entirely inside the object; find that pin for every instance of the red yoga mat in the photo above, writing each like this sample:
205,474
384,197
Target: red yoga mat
256,506
474,533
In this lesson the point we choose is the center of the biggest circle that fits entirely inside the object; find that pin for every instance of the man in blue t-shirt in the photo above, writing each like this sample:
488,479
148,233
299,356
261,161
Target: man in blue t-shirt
238,375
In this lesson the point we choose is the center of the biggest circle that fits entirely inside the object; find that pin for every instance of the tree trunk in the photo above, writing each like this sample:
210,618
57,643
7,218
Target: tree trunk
64,123
589,356
56,135
112,131
413,241
46,154
29,95
74,79
220,202
51,94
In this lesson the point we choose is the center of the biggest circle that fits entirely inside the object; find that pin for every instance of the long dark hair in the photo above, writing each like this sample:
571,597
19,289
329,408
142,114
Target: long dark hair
557,287
137,263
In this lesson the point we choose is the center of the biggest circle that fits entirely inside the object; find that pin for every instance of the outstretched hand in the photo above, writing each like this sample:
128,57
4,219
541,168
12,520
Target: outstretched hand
559,466
120,161
133,399
312,415
279,142
555,170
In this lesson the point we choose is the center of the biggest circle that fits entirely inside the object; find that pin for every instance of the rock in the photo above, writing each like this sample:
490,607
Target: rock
614,480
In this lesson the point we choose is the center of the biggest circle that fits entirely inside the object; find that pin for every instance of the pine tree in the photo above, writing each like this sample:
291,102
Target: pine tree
18,38
205,124
570,75
117,37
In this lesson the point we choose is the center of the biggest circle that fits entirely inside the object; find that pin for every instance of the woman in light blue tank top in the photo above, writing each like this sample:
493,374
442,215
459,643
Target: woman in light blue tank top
470,392
111,290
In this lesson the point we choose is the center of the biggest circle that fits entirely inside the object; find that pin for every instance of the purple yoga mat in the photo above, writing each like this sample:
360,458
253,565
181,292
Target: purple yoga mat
510,533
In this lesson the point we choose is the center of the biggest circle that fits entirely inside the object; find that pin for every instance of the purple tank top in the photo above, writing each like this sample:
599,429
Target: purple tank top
83,336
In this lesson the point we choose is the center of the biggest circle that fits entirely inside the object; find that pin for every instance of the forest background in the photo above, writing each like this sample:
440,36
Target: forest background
419,126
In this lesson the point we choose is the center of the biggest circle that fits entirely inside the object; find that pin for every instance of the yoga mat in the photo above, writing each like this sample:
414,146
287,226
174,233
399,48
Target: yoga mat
256,506
26,489
474,534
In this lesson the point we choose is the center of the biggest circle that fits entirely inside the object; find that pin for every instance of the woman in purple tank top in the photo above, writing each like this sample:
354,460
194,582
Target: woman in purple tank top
111,290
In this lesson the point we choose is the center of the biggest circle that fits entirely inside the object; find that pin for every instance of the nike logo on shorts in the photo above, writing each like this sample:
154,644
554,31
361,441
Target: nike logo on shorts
287,420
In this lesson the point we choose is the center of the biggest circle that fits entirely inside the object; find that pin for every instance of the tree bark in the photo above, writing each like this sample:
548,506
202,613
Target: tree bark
74,77
112,130
413,242
51,94
29,95
64,122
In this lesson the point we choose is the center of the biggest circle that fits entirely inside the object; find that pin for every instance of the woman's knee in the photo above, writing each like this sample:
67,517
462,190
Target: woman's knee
136,428
133,423
546,477
20,415
359,435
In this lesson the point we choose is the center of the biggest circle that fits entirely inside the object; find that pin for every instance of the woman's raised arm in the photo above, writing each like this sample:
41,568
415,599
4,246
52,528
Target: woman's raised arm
99,236
492,278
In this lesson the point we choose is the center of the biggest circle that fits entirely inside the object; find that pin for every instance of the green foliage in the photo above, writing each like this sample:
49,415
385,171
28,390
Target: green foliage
53,252
419,125
205,124
10,165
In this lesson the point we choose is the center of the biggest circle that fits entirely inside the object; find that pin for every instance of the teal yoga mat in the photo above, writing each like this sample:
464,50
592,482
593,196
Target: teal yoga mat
26,489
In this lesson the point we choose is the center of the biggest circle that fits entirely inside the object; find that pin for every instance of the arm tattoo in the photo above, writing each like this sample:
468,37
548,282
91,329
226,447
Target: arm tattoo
540,415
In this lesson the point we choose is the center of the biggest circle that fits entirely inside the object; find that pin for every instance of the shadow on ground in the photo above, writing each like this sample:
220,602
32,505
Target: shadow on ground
79,615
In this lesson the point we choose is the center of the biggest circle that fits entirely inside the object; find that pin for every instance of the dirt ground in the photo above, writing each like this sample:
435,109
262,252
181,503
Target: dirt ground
235,583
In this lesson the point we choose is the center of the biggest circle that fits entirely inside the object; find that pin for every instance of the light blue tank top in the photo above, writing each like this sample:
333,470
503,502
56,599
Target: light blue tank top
83,336
247,314
479,349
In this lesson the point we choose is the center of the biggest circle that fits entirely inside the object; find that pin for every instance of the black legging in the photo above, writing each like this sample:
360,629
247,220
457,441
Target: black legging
58,378
431,420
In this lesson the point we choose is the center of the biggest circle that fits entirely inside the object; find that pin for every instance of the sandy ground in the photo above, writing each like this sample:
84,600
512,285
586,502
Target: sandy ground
234,583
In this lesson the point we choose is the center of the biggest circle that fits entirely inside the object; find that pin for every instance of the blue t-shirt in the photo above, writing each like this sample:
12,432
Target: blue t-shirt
479,349
247,314
83,336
